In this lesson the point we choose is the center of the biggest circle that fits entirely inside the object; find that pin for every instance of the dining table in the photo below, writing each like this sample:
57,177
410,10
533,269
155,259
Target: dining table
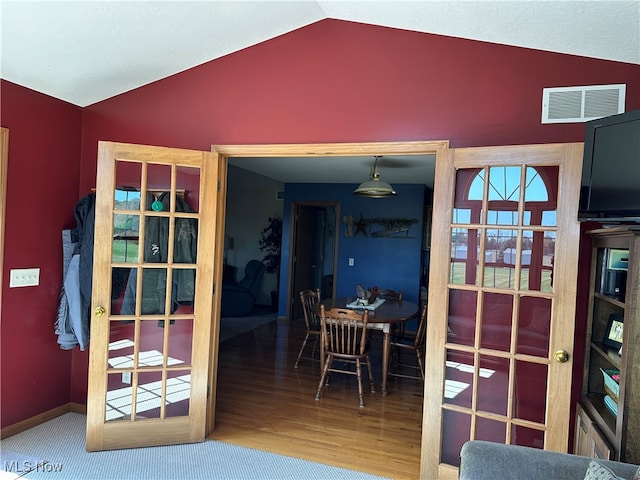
381,318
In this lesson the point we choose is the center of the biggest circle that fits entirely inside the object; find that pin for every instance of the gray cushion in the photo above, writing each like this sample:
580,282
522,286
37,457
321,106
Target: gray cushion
487,460
597,471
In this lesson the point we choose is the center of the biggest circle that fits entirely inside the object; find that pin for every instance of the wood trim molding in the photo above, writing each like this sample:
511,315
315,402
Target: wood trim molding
4,163
42,418
331,149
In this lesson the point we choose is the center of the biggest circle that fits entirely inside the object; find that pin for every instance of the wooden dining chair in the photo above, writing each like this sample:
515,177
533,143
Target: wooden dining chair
309,300
416,345
344,337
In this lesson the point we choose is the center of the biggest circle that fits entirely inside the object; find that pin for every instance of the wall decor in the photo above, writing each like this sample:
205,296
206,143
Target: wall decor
378,227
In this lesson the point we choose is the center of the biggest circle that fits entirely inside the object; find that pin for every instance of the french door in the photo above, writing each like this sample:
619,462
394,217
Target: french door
501,300
152,304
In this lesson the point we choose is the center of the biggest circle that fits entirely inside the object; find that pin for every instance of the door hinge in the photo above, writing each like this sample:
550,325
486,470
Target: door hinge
218,185
208,391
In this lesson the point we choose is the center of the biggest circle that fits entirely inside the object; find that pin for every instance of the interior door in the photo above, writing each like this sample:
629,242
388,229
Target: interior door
313,251
152,299
502,296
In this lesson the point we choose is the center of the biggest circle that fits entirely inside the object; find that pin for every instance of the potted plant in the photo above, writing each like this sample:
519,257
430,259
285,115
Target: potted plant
270,244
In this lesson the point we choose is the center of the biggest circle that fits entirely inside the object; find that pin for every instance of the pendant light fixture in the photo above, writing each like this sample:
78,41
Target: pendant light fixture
374,187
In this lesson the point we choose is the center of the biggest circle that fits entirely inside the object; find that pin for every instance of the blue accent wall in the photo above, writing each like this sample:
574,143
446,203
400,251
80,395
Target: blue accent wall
386,262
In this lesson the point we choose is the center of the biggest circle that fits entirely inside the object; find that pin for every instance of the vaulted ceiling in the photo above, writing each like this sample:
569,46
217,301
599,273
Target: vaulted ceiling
86,51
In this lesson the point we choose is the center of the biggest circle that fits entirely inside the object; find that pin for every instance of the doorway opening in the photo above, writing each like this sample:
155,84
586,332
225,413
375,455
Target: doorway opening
433,148
313,254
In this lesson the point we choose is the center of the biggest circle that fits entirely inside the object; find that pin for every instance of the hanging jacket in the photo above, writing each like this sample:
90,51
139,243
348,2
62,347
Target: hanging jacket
72,319
156,245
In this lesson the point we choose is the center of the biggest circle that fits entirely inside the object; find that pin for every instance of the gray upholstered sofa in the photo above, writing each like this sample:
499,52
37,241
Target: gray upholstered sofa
481,460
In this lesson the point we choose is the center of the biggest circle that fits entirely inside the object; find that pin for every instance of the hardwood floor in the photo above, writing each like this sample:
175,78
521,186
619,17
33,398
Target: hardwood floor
266,404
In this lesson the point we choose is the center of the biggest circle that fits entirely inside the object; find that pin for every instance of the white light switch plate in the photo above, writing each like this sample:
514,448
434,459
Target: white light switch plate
24,277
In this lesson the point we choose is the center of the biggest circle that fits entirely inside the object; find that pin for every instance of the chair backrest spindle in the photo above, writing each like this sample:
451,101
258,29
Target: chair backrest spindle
344,331
309,300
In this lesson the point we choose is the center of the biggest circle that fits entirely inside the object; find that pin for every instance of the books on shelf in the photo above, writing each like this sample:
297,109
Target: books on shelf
611,405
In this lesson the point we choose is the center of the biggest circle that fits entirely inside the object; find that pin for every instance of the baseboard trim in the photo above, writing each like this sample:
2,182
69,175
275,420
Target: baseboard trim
41,418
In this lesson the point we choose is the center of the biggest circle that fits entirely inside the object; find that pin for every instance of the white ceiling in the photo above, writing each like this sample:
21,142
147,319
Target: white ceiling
86,51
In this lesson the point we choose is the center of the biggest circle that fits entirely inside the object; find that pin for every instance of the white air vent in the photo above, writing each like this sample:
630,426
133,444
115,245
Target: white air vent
581,104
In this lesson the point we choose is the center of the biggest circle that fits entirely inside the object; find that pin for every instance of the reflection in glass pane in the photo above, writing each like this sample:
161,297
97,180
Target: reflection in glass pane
180,342
461,326
535,188
128,183
467,205
458,382
465,244
530,391
126,199
149,395
126,231
151,344
178,393
186,240
534,326
538,249
183,290
495,333
154,287
527,437
500,250
121,336
504,193
548,218
188,179
504,185
498,217
456,429
541,193
119,279
493,385
156,239
158,178
490,430
119,397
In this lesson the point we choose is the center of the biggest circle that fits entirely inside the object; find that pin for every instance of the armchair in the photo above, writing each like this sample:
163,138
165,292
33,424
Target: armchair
239,298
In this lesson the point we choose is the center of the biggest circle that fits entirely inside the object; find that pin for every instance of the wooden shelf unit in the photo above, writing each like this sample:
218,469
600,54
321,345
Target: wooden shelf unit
613,291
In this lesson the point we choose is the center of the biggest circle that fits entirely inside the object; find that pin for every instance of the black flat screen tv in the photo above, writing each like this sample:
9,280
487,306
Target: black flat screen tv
610,190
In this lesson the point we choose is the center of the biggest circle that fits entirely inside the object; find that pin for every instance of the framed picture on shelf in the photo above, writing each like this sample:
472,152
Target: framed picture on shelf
613,333
618,259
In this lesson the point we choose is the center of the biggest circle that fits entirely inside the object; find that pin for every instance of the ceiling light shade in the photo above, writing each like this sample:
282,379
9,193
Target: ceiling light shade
374,187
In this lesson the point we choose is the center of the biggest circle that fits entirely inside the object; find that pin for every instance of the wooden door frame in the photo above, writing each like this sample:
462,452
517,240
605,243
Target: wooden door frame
429,147
4,163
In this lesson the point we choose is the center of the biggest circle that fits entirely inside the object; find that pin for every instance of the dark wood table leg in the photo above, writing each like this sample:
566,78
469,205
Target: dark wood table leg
386,346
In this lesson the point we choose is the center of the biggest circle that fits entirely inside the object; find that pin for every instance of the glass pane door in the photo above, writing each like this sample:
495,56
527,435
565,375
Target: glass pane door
152,296
500,258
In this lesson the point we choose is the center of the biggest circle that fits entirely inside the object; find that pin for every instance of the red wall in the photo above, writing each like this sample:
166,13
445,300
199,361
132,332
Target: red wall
332,81
336,81
42,190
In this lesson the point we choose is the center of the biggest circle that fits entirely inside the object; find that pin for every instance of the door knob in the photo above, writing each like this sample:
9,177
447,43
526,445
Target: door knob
99,311
561,356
